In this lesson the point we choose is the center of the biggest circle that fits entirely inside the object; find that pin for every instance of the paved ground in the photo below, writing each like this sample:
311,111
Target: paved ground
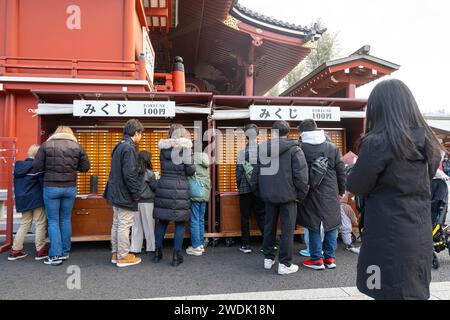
221,270
439,291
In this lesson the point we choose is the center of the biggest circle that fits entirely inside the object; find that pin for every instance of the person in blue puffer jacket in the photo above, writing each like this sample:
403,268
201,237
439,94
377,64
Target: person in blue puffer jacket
29,201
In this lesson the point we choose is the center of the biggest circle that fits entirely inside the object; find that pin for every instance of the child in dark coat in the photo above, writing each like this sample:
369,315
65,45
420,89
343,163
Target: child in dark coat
29,201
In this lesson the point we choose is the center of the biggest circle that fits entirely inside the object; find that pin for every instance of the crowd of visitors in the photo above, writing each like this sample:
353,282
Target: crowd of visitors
298,182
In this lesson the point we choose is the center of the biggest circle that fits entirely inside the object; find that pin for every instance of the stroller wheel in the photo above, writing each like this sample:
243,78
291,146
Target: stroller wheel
435,263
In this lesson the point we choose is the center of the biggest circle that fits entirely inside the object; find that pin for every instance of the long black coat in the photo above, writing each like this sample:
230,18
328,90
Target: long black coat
173,199
397,223
289,181
322,204
124,184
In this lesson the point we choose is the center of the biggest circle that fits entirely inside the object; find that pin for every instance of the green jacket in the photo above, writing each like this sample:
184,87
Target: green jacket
201,161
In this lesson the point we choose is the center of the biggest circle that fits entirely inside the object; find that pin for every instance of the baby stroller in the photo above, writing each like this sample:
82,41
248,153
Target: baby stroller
441,232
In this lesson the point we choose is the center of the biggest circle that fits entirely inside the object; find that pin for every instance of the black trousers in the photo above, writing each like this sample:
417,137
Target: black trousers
248,202
288,217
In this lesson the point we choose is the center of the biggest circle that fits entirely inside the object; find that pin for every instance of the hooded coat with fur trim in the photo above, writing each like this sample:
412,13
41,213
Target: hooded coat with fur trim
172,199
61,156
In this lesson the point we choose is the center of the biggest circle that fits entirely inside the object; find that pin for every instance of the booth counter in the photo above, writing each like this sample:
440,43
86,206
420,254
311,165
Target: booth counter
218,120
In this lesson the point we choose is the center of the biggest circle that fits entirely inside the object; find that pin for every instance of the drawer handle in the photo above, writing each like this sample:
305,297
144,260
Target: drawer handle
82,212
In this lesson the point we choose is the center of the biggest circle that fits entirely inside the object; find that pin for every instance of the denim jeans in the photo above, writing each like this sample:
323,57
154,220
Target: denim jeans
306,236
198,223
178,237
58,208
328,246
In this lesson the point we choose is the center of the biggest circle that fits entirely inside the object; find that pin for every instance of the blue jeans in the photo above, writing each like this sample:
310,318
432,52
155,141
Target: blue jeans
58,208
198,223
306,236
328,246
178,237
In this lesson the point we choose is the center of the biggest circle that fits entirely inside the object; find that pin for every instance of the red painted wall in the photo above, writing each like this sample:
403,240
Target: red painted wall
74,30
26,123
137,36
2,26
43,30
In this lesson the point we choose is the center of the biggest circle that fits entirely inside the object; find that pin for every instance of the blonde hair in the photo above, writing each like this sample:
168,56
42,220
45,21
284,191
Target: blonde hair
32,150
64,129
178,131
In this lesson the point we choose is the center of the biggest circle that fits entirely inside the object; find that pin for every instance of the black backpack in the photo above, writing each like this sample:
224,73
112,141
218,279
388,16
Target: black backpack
318,169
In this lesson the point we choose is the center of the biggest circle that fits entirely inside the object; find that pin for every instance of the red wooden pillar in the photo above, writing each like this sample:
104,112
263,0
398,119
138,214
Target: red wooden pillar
212,151
249,84
128,32
350,91
9,116
178,76
12,28
249,81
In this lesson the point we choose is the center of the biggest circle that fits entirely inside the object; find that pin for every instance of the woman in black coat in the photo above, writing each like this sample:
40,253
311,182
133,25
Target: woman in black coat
173,200
398,157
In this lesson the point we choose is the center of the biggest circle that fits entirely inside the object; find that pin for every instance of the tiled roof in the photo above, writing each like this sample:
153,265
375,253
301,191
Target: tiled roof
275,22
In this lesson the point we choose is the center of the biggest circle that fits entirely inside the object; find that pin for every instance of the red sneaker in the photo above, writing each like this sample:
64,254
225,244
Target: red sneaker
330,263
16,254
316,265
41,254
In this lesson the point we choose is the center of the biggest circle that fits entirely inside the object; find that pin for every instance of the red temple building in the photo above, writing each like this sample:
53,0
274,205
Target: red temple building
163,61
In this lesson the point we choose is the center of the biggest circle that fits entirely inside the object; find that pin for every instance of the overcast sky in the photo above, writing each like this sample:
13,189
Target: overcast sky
414,34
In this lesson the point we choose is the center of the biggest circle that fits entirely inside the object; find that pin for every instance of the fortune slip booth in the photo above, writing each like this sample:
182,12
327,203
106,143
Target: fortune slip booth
341,118
98,118
97,121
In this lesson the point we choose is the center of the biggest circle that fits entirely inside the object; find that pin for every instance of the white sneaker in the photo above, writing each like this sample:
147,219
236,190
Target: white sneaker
268,264
354,250
194,251
282,269
202,247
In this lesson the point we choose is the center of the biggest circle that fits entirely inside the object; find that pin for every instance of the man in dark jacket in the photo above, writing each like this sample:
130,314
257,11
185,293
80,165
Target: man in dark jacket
322,206
248,200
28,196
122,192
283,180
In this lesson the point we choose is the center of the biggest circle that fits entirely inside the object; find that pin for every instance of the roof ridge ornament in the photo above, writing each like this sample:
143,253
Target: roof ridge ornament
314,33
364,50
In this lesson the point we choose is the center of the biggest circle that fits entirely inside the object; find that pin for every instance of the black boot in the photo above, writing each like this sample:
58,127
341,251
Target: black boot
177,258
158,255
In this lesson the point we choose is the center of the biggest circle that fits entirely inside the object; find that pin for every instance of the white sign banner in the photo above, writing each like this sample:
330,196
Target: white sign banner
149,54
294,113
104,108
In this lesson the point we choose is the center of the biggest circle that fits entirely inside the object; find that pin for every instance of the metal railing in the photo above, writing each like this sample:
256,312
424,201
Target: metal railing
72,68
7,159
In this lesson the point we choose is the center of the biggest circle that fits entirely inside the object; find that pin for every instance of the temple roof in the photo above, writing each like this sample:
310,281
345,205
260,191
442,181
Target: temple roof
219,39
256,18
330,78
